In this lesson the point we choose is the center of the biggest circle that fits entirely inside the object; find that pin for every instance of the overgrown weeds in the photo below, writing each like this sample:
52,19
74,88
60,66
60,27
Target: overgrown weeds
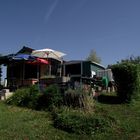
78,99
80,122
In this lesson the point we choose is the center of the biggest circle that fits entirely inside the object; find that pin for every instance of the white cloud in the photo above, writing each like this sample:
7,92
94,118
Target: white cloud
50,10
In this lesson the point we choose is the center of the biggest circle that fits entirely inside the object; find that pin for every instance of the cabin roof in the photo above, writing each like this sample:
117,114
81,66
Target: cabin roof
25,50
81,61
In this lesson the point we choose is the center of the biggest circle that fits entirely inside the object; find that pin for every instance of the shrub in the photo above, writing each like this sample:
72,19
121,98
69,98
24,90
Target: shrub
17,97
52,97
78,122
127,79
25,97
34,96
31,98
77,98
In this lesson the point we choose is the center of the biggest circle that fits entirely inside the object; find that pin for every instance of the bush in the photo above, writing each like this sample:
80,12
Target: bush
127,79
78,122
52,96
32,98
25,97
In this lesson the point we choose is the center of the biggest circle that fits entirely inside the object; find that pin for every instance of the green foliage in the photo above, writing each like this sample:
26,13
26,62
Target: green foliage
31,98
25,124
93,57
74,121
52,96
127,79
77,98
132,59
25,97
17,97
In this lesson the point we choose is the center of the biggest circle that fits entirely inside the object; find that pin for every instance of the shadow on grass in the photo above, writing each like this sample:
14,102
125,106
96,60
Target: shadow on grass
108,99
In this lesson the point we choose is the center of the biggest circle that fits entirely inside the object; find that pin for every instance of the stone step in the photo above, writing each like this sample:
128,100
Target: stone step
5,94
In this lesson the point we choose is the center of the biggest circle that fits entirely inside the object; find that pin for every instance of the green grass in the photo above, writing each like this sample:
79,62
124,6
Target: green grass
25,124
127,117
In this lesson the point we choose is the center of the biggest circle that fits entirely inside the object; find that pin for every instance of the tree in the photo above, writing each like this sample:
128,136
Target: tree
131,59
93,57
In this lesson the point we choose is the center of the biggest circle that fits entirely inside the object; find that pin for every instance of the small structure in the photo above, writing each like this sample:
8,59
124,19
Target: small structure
78,70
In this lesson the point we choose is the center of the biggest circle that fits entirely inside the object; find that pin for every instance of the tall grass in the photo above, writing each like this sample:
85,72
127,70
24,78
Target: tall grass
78,99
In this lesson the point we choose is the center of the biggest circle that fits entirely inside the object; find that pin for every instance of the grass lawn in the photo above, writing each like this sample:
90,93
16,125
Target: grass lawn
127,117
25,124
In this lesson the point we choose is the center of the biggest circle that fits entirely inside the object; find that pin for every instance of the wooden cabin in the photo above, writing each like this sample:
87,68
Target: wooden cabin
78,70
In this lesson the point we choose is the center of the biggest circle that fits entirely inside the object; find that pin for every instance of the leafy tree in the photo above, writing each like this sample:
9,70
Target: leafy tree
93,57
131,59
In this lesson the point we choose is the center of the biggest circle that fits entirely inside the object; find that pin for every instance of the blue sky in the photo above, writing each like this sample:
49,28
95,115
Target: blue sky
110,27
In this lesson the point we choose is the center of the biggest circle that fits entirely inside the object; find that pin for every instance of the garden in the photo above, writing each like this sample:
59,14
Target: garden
74,114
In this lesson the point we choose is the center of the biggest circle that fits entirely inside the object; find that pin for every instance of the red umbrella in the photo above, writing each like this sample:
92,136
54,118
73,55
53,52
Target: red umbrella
39,61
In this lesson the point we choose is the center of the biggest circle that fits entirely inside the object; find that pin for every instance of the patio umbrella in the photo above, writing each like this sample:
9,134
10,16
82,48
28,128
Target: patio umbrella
38,61
23,57
48,53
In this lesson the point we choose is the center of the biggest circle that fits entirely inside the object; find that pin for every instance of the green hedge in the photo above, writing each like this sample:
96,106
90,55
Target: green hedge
127,79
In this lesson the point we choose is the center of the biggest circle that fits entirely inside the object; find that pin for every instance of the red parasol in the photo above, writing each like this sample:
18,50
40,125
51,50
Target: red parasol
39,61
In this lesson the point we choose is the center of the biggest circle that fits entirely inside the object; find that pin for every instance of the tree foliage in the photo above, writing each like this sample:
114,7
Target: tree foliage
131,59
127,79
93,57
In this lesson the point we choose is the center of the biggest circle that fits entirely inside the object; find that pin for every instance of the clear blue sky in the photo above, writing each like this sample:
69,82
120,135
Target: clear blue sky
110,27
